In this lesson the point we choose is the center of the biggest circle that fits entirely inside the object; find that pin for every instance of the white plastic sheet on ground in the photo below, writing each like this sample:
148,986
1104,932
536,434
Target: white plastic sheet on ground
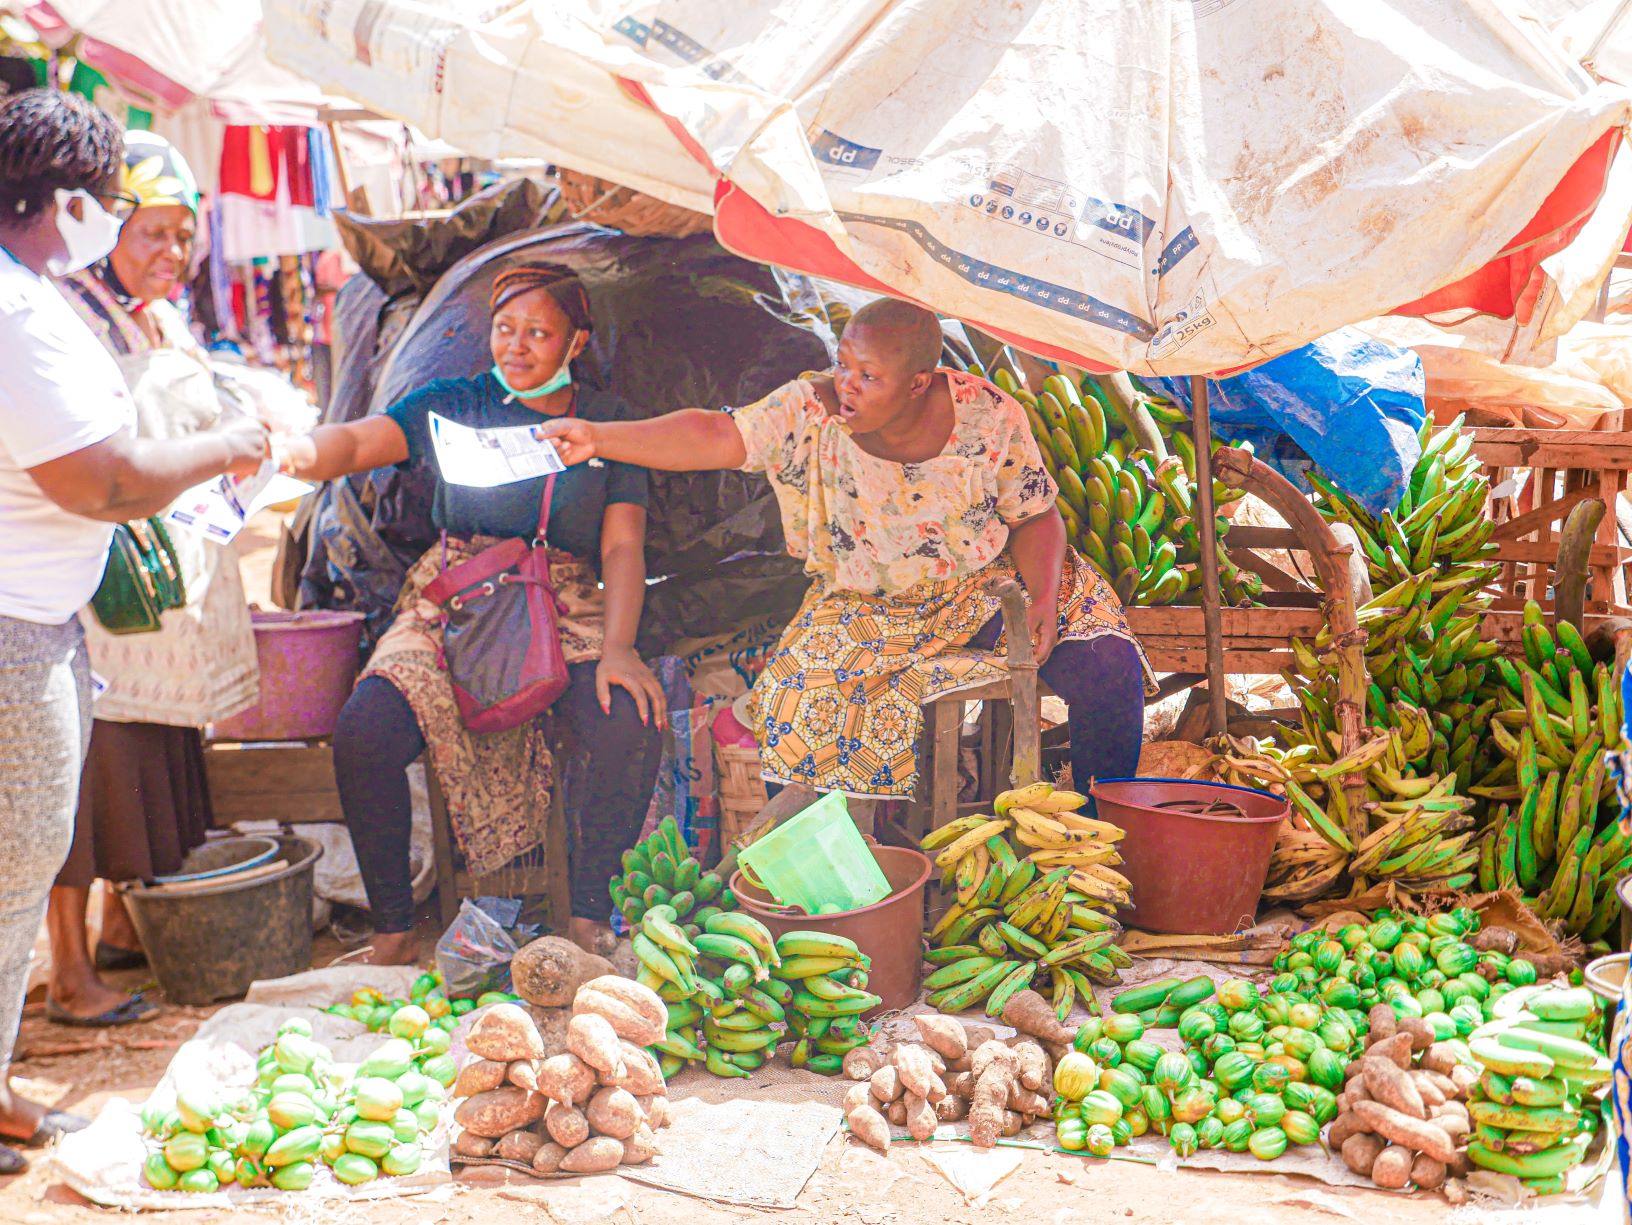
1169,188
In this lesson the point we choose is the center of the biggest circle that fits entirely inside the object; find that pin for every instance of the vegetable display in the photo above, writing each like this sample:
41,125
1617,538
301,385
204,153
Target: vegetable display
585,1110
660,871
1129,509
371,1008
1035,889
303,1112
734,993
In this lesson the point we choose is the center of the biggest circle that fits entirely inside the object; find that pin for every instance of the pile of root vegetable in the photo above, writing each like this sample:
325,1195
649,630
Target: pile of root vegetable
1476,769
585,1110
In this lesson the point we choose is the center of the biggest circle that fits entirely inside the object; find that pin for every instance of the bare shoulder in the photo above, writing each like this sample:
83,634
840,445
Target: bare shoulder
822,385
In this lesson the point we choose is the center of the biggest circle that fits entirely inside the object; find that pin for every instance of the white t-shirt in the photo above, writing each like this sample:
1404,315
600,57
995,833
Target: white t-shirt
60,392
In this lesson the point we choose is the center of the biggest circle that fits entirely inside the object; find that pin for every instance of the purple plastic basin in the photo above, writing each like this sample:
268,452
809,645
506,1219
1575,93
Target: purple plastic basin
308,666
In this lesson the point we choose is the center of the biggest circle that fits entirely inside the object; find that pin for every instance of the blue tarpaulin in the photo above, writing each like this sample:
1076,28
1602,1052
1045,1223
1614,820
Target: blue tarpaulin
1347,403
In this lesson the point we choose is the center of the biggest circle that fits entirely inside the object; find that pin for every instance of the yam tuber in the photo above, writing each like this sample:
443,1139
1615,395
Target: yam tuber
1428,1173
861,1062
943,1035
1422,1033
1464,1078
1456,1192
1397,1050
1360,1151
592,1039
1392,1168
1440,1057
645,1003
952,1108
858,1094
626,1022
1345,1125
989,1102
896,1112
656,1109
566,1125
868,1126
886,1083
499,1111
917,1072
1382,1022
1036,1070
1026,1101
1427,1089
519,1146
954,1066
1013,1124
994,1054
566,1079
1030,1013
1418,1135
478,1076
961,1084
1448,1088
549,971
548,1158
523,1073
504,1032
921,1119
596,1155
642,1076
469,1144
640,1147
614,1112
1393,1088
976,1035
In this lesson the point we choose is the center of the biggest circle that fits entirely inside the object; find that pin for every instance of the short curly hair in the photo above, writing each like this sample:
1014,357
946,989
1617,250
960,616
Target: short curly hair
53,141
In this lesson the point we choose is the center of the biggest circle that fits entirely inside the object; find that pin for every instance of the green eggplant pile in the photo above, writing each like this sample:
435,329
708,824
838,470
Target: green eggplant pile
1127,510
661,871
1556,837
303,1111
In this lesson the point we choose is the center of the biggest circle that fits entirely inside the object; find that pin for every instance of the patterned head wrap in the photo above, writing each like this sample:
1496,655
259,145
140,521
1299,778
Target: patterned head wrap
561,282
155,173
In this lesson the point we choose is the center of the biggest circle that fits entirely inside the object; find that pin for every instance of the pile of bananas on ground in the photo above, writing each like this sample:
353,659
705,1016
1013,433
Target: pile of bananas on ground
1420,830
1556,836
1036,890
1126,509
734,993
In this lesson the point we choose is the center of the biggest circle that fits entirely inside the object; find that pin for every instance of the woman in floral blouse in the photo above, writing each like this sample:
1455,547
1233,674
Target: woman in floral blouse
907,489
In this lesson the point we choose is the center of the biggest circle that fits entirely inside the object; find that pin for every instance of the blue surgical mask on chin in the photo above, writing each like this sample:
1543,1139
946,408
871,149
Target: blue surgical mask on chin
561,378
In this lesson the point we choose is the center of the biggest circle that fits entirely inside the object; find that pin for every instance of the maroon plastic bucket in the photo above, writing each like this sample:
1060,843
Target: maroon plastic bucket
890,932
1196,853
308,665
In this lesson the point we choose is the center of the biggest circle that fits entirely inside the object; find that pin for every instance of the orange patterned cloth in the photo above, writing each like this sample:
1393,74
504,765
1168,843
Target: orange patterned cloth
905,558
497,784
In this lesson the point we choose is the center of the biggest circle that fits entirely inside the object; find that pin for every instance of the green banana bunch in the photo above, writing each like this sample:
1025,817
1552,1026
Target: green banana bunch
1038,915
1127,511
1556,838
660,871
824,980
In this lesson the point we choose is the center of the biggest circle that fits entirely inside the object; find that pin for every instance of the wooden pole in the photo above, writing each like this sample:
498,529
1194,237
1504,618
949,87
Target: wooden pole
1212,614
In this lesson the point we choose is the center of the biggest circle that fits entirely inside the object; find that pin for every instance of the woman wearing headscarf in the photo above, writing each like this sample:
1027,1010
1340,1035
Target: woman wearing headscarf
497,784
144,802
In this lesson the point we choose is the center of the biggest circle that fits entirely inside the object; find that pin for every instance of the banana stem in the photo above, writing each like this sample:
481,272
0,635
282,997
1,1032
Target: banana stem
1570,570
1119,387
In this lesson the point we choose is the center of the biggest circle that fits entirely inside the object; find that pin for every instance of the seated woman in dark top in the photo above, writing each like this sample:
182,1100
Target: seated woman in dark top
497,785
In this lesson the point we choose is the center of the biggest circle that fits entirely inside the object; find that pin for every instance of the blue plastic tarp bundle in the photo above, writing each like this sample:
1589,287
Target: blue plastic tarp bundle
1347,403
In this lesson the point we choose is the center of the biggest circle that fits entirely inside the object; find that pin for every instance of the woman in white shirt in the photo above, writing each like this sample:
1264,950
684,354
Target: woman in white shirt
70,468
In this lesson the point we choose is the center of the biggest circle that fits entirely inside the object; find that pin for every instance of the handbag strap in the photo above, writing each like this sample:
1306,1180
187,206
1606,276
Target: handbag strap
549,488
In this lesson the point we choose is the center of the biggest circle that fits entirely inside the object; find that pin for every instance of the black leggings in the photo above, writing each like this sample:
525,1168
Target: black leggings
377,738
1103,687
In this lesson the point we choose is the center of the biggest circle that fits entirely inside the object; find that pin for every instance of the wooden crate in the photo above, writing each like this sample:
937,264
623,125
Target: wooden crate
1257,641
1540,476
292,783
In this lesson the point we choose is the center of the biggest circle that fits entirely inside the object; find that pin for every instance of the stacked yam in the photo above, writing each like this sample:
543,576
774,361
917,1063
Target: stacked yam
587,1110
957,1072
1403,1119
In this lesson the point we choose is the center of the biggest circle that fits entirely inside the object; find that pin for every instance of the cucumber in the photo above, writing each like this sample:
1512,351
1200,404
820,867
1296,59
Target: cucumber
1142,999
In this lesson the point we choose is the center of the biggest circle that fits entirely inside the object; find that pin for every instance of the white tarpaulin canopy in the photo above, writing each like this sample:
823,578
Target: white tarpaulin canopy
1172,188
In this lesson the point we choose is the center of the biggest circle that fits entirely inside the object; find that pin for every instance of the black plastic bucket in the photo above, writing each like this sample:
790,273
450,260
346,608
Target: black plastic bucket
211,943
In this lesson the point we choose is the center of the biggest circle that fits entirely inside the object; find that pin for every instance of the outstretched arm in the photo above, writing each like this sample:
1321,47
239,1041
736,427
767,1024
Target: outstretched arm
691,440
1038,549
332,451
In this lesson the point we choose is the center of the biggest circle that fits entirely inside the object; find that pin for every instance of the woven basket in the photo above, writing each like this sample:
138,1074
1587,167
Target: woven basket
742,791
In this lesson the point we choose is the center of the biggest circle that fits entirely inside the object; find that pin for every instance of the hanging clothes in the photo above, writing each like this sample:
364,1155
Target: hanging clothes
268,196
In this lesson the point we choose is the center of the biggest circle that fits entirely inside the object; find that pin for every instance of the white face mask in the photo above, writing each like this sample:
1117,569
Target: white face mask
87,239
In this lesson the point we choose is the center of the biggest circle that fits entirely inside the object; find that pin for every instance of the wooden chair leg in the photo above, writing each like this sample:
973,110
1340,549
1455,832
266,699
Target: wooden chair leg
556,863
944,717
447,884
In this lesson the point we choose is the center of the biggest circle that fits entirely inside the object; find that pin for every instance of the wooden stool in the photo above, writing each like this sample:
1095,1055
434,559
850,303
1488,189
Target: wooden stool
1014,712
516,879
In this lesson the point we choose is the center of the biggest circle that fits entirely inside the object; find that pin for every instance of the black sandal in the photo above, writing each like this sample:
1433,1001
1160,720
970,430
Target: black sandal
111,957
54,1126
11,1161
132,1010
